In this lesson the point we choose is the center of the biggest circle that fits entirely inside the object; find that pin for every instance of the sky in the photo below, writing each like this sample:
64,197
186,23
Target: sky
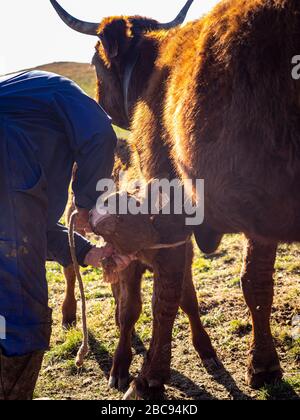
32,34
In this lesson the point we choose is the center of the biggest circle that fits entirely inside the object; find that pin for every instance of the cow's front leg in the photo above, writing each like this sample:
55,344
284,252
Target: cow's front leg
258,287
127,294
168,279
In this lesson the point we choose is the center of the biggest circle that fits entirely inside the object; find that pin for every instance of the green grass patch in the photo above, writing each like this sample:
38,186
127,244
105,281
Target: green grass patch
235,282
202,265
214,319
284,390
295,350
239,327
68,348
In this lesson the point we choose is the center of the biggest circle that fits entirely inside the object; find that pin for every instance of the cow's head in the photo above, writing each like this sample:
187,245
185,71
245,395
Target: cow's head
122,69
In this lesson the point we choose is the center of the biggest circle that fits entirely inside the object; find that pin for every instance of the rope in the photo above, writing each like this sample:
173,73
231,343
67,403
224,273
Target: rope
168,246
84,349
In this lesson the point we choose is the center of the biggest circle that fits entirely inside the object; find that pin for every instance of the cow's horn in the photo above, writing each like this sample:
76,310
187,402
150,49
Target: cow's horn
179,19
76,24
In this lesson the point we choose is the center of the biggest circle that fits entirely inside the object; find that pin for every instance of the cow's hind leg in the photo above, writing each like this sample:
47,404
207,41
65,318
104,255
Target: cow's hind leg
127,294
258,286
189,304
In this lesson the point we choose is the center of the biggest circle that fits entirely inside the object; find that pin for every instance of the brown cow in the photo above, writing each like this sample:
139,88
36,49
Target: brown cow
127,292
217,97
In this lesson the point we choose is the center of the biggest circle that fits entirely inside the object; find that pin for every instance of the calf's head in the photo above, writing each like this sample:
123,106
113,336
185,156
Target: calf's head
124,57
128,233
127,223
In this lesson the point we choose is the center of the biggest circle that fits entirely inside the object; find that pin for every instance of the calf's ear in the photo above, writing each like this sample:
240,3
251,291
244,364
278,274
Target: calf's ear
155,197
116,37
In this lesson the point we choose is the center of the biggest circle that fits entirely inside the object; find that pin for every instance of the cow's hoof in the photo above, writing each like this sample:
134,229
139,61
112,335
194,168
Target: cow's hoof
119,383
141,390
257,378
212,364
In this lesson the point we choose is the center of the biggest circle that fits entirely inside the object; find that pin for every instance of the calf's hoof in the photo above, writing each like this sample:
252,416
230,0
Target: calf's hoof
69,323
140,389
119,375
121,384
257,378
69,311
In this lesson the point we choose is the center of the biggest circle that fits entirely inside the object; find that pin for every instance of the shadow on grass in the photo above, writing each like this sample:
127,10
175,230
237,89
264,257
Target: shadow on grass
101,354
215,256
104,358
178,380
282,390
188,387
138,344
224,378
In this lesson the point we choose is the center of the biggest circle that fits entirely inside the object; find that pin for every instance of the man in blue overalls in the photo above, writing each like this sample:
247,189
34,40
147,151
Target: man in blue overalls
46,125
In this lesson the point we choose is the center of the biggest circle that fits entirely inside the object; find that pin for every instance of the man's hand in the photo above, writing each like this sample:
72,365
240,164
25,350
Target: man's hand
82,221
122,261
96,256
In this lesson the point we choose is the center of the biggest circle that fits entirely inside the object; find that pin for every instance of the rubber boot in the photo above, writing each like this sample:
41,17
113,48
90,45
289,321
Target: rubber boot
18,375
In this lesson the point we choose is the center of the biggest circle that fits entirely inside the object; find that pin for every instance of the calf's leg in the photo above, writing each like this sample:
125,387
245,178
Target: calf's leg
116,294
69,307
189,304
128,308
169,271
258,287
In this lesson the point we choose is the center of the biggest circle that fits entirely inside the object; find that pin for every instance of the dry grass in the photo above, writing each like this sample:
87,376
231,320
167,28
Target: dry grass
223,311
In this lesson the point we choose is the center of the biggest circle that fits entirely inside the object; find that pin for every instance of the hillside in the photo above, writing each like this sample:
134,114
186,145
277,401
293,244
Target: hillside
83,74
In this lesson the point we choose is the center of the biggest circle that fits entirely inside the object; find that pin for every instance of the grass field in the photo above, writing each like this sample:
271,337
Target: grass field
223,312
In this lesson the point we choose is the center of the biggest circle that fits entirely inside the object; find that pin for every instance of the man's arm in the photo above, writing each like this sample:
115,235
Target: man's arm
86,253
59,249
95,162
91,138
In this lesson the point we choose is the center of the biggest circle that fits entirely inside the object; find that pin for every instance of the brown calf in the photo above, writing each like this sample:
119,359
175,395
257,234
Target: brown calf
169,290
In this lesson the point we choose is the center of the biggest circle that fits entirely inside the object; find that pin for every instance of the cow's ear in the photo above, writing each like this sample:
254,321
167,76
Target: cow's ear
116,37
110,45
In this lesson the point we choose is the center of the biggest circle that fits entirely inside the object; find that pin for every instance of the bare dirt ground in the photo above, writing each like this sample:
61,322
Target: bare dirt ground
223,311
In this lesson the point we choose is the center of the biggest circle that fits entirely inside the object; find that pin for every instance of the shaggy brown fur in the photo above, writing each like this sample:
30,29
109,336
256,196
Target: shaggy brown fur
215,100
